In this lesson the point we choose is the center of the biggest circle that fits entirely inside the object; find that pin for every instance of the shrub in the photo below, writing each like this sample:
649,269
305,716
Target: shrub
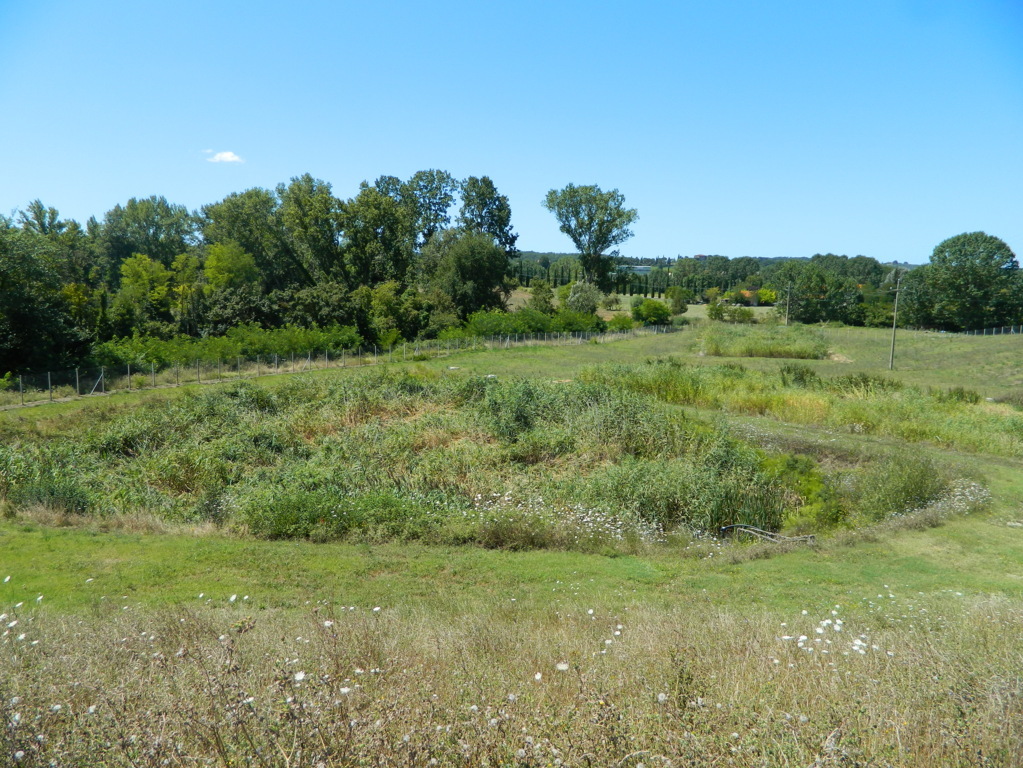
898,483
956,395
651,312
796,375
584,298
620,323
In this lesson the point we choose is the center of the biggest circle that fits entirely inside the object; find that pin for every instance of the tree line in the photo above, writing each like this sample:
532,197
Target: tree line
400,259
417,258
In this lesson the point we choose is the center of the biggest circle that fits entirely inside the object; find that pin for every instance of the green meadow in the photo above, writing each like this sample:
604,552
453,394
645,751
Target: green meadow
515,558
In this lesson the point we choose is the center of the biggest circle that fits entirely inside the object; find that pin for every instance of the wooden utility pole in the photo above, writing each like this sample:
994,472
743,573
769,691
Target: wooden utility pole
895,321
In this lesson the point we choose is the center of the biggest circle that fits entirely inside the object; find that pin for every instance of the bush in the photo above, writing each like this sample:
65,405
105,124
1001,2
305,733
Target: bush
796,375
651,312
898,483
956,395
620,323
584,298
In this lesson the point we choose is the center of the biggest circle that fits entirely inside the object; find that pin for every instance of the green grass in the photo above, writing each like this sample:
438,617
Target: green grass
691,676
970,555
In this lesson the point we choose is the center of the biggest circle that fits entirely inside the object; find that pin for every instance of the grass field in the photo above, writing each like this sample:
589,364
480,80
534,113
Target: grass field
130,639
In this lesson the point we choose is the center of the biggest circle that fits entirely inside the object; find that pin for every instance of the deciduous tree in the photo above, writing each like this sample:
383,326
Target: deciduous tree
595,221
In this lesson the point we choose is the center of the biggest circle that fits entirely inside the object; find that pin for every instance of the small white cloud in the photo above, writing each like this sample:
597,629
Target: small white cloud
207,151
225,157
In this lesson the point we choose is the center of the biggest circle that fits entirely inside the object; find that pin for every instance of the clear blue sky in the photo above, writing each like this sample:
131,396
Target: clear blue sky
737,127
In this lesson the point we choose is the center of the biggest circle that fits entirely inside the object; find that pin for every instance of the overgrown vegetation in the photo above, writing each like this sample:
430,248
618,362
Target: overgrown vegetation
902,680
385,642
608,463
799,342
861,403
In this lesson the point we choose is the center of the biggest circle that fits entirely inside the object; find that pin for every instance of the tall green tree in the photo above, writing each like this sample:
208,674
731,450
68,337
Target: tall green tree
974,283
228,265
39,219
312,218
379,237
150,226
144,298
468,267
36,330
430,195
484,210
253,220
595,221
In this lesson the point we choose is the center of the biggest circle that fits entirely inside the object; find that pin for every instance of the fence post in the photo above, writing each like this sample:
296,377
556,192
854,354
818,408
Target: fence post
78,389
102,380
49,385
220,374
177,374
21,388
129,377
198,375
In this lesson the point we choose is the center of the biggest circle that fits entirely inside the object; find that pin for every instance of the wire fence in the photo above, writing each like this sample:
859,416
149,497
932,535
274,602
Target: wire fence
1005,329
52,386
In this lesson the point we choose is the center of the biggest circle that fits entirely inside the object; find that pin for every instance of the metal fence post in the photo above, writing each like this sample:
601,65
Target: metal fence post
78,389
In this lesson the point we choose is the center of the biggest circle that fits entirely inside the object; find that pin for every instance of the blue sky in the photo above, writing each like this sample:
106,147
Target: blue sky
739,127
